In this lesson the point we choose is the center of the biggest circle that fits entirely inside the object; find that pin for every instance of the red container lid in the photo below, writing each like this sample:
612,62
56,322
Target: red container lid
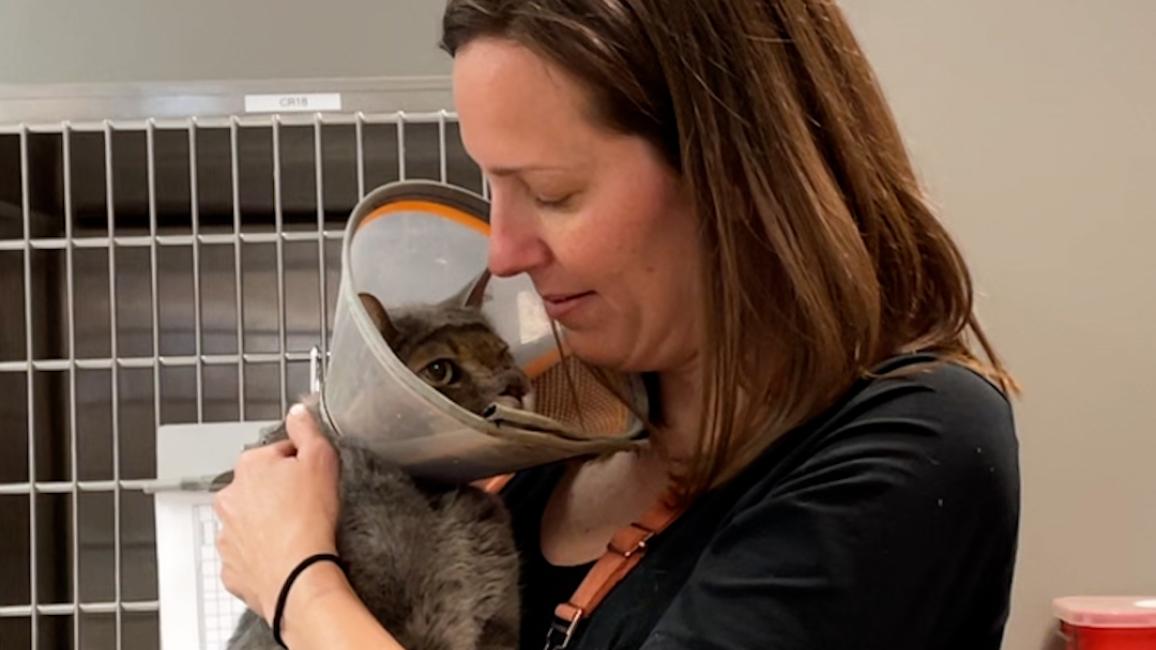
1134,612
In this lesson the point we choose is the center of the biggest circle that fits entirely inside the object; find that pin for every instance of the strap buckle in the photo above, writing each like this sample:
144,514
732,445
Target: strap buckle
630,541
623,552
561,631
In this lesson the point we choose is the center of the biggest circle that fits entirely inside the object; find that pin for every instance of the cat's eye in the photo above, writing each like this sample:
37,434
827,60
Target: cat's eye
442,372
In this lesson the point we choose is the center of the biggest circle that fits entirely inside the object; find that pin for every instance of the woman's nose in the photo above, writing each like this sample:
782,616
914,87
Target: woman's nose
516,245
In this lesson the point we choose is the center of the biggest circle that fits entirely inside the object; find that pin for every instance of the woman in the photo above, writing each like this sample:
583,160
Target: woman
713,193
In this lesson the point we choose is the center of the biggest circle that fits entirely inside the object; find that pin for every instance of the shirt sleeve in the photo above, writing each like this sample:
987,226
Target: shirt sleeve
897,530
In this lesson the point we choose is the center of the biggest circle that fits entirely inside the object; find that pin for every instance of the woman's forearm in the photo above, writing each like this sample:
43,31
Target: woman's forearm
324,613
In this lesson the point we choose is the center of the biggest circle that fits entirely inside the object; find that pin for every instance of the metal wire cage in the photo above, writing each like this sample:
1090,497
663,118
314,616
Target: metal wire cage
156,269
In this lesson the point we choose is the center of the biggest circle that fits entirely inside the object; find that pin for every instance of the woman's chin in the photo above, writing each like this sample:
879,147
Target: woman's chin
594,349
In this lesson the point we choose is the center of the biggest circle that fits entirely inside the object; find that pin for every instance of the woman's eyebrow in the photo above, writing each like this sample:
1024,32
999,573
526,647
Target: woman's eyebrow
511,171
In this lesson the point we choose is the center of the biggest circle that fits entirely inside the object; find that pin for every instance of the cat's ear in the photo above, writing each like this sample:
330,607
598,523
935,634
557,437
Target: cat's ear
471,295
380,318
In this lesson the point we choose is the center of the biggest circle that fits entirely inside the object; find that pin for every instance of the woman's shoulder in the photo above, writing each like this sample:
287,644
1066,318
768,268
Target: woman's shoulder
954,404
899,503
925,392
916,422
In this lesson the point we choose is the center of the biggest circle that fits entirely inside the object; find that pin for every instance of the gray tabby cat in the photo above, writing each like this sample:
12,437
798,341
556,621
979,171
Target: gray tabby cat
436,565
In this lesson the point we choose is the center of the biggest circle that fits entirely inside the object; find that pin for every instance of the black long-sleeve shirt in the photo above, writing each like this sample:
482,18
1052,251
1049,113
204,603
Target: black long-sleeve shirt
889,522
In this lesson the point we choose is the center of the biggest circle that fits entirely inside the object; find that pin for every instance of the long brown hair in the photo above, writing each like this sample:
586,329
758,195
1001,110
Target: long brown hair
822,255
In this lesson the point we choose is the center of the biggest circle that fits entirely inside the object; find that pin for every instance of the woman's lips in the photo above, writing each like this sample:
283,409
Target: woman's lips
559,305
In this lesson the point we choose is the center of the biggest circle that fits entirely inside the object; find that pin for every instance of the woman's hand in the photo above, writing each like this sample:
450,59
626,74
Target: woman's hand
281,507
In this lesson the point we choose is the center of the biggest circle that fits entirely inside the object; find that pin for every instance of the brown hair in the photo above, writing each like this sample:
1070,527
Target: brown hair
822,256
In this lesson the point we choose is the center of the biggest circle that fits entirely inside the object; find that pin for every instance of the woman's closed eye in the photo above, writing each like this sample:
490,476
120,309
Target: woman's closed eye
554,203
552,191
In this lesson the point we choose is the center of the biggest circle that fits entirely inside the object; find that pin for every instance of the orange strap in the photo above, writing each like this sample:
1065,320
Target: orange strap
623,553
494,484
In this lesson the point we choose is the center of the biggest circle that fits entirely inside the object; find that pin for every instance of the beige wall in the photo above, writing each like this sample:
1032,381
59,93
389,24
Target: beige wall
1034,122
57,41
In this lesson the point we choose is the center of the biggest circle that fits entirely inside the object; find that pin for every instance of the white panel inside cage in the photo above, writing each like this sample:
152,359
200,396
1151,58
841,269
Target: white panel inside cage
196,611
160,272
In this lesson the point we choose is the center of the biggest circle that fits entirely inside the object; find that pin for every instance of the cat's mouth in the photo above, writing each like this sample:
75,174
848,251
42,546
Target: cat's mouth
509,401
524,403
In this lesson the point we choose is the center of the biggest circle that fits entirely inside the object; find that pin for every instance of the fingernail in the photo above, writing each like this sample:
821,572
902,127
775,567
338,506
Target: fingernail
297,410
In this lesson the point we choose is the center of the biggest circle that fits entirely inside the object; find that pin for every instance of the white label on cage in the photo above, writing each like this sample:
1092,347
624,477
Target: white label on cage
307,102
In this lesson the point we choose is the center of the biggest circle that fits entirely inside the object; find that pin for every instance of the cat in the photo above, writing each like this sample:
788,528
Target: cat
435,564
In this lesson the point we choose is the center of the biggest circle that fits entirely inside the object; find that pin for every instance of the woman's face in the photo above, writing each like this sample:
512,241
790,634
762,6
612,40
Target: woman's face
602,225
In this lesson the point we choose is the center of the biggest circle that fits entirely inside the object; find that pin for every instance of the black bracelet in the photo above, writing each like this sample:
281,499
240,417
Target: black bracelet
279,613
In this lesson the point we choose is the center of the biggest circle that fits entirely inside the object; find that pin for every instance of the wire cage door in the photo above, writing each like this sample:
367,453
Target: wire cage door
161,269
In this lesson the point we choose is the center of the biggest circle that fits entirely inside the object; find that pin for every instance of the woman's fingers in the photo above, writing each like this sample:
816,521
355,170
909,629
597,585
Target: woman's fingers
281,506
259,456
305,434
281,448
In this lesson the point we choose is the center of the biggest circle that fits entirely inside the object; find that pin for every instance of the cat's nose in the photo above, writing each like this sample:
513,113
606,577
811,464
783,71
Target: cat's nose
515,385
514,391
